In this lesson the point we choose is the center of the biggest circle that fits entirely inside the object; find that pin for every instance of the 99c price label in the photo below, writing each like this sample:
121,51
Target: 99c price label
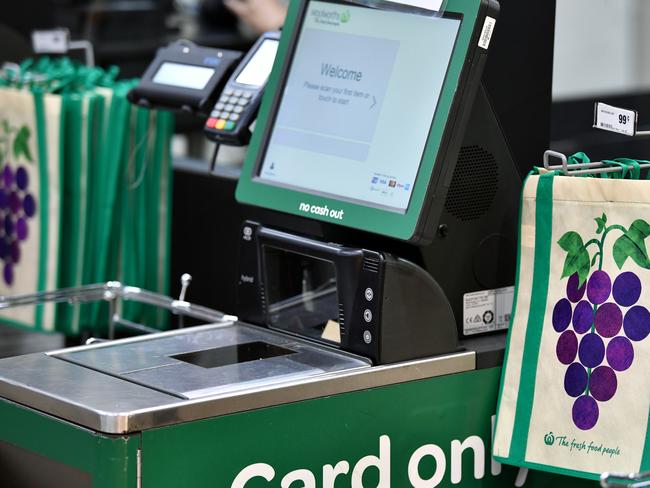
615,119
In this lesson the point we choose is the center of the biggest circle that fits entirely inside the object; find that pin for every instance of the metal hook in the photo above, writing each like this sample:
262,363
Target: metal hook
186,279
548,154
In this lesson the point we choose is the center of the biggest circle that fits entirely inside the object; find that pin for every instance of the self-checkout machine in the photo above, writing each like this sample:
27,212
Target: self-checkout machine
348,366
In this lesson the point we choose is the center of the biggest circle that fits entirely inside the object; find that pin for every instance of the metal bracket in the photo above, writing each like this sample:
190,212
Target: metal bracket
114,292
581,169
627,480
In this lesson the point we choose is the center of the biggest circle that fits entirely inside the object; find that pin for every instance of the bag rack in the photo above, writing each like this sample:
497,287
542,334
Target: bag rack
114,292
619,480
582,169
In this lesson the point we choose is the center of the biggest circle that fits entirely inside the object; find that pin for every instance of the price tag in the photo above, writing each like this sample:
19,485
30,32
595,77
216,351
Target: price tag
615,119
51,41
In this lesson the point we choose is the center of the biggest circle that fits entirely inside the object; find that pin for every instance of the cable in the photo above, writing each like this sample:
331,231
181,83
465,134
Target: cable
213,161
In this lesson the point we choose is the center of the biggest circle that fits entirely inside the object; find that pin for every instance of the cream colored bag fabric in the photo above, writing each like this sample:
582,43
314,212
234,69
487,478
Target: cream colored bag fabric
29,201
575,392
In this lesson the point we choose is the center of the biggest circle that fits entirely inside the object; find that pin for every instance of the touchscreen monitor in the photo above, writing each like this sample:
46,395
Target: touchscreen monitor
363,114
357,106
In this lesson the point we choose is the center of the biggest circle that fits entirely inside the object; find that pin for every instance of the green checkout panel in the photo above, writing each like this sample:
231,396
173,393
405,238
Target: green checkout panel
350,359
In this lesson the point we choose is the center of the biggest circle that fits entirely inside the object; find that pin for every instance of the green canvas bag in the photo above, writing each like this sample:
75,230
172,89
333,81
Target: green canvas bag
575,391
106,192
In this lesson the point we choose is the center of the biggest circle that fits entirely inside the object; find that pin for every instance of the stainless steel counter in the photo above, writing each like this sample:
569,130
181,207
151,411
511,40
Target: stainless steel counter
162,379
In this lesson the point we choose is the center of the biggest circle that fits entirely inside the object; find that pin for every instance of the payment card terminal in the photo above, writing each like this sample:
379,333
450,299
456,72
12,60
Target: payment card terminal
237,106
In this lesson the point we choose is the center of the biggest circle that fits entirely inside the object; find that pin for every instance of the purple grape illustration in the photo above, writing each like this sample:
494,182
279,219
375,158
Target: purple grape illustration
583,317
637,323
567,347
17,204
602,308
620,353
574,292
609,319
599,287
585,412
627,289
602,383
576,380
561,315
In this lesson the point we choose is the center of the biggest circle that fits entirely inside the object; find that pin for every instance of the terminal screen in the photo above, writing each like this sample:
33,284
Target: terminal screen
358,103
183,75
259,67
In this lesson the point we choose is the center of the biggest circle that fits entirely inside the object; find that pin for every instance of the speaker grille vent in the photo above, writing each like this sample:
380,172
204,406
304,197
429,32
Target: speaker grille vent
474,184
263,297
371,264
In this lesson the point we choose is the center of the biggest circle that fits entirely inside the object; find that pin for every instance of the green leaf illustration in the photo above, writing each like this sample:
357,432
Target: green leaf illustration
577,259
578,262
6,127
638,231
632,245
21,144
601,225
604,217
571,242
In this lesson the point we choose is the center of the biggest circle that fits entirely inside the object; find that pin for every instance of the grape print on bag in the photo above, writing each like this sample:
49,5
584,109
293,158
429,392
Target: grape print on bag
601,317
17,204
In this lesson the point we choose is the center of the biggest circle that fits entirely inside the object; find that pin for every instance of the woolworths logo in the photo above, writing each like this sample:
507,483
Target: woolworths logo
330,17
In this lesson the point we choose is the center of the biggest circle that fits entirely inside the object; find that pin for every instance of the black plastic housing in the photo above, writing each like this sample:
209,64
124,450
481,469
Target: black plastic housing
155,95
241,135
406,317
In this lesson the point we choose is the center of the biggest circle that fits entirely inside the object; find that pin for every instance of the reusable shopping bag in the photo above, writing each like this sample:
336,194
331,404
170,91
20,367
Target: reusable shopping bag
108,190
29,200
575,391
146,229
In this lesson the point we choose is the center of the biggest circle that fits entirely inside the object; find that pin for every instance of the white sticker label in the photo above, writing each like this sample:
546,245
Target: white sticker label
615,119
51,41
433,5
488,310
486,33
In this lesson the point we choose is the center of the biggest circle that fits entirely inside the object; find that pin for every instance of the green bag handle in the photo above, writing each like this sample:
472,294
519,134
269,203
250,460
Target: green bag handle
616,176
62,76
628,165
634,165
579,158
637,163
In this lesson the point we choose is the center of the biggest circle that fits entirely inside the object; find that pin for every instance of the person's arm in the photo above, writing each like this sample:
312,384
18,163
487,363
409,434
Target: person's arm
260,15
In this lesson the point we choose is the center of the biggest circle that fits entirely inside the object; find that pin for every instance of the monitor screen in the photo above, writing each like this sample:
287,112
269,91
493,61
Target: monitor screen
358,103
183,75
257,70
